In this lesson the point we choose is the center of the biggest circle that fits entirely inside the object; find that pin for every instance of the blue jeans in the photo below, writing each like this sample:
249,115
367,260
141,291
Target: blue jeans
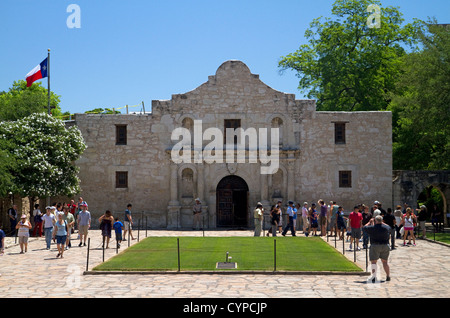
48,235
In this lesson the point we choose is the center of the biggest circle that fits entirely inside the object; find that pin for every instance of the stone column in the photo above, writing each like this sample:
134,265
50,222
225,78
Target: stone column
290,180
173,209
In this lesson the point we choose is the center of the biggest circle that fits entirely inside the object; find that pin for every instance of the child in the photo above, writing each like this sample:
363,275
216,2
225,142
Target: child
349,230
118,227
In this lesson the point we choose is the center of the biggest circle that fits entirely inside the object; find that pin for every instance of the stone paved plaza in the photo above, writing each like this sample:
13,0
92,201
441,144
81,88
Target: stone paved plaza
420,271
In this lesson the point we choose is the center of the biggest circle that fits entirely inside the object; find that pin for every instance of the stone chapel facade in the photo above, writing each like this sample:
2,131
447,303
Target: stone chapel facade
340,156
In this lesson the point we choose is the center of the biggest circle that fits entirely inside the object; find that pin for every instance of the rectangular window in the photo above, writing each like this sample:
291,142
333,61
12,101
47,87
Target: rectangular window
121,179
231,123
345,179
339,133
121,134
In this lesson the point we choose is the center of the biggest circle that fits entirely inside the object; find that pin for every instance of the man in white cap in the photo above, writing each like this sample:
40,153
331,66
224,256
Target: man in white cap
197,210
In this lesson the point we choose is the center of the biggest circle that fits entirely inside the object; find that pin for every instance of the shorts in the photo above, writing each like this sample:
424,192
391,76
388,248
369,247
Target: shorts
322,220
23,239
409,228
378,251
61,239
356,233
126,225
83,229
118,236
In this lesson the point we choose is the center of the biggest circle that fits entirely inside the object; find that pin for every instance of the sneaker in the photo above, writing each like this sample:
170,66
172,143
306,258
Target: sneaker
81,244
388,279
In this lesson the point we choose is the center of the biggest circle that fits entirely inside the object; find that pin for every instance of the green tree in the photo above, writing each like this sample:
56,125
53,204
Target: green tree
44,151
7,164
21,101
347,64
421,104
102,111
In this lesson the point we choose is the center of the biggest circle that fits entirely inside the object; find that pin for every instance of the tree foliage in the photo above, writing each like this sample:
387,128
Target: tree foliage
421,104
347,65
44,151
21,101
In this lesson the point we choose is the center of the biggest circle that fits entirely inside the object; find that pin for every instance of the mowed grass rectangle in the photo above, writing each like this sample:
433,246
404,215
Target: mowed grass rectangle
250,254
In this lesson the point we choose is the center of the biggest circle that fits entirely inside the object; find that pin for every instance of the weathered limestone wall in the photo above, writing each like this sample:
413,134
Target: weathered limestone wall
309,160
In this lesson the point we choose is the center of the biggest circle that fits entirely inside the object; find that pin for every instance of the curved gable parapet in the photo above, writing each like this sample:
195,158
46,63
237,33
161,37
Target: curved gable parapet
234,89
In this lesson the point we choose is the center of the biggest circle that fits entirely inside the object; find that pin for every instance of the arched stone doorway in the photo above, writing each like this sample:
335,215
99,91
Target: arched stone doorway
232,202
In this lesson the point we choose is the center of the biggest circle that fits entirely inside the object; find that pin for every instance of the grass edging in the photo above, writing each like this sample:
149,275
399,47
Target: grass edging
228,272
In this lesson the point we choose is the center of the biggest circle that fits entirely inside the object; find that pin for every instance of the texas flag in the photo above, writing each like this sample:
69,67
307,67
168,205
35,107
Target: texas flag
38,72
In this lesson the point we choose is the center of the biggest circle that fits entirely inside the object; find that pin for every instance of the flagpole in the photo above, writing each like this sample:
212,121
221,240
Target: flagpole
48,82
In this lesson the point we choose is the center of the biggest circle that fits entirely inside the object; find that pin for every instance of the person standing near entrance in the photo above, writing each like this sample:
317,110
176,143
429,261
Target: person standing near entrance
379,234
258,218
197,210
290,211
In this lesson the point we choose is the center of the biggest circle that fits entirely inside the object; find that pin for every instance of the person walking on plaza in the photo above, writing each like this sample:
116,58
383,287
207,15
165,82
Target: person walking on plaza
60,234
379,234
118,228
23,232
355,223
197,210
128,223
70,220
37,217
258,217
290,226
408,221
106,224
84,224
48,222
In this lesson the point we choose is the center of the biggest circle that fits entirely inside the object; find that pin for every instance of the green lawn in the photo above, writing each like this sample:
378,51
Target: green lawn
250,253
442,237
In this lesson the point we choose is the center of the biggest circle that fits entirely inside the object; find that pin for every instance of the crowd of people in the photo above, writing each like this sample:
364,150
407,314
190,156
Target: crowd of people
323,219
60,220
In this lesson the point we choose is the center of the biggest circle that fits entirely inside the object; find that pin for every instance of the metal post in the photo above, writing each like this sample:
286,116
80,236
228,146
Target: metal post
275,255
139,227
178,247
343,244
146,225
335,235
87,257
48,82
367,261
103,250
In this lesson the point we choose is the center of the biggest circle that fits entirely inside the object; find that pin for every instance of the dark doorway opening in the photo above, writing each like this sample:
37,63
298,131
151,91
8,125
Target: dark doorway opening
232,202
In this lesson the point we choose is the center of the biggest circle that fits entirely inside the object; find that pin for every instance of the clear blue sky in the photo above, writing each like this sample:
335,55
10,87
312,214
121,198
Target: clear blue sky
140,50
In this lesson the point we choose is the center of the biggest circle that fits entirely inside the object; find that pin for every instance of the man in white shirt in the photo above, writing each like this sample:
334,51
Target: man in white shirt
48,222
